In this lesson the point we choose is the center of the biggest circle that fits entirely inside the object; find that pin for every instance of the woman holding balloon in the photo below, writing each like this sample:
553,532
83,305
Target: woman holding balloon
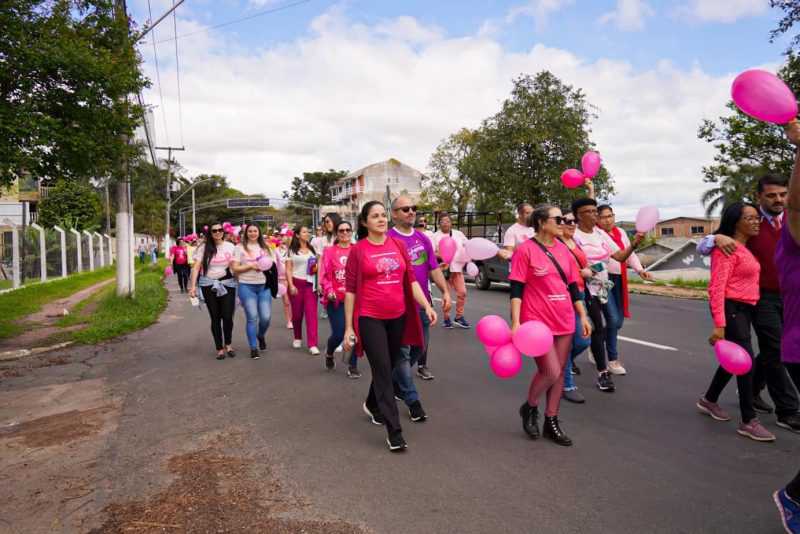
252,263
543,288
733,291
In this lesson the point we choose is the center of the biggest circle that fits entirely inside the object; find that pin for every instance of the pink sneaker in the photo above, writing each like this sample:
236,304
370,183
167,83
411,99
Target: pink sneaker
712,409
755,430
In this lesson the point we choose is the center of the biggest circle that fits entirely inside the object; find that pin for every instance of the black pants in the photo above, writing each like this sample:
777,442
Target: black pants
221,311
182,271
769,371
738,317
794,373
595,311
381,339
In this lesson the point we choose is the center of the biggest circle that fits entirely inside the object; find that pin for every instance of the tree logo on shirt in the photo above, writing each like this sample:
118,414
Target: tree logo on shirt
387,266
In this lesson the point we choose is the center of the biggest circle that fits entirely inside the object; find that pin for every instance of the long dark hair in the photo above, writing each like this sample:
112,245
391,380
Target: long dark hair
335,219
336,230
730,218
209,247
294,245
362,218
245,240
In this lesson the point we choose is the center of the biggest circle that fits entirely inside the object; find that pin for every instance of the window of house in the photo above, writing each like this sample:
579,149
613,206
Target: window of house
698,230
667,231
397,180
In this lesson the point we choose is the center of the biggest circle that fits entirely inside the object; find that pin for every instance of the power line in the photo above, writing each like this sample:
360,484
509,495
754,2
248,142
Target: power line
178,74
259,14
158,79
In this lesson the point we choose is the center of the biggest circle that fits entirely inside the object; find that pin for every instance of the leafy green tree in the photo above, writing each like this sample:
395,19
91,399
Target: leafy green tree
71,204
734,187
450,183
66,70
314,187
791,10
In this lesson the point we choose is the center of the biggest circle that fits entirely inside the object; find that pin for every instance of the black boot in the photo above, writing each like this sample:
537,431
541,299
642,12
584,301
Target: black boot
530,419
552,430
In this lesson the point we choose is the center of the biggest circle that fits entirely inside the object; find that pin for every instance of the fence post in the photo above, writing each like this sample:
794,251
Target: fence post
102,251
63,237
110,250
78,241
14,253
42,253
91,250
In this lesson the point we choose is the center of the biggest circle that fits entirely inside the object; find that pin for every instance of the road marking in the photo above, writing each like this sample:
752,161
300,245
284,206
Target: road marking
646,343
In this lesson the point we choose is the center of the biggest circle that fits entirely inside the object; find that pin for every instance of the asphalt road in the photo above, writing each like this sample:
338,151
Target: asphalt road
644,459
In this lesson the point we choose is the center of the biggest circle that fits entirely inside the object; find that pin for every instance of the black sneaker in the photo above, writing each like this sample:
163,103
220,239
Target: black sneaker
790,422
399,395
416,412
575,369
262,343
330,364
424,373
353,372
396,442
760,405
377,418
254,354
604,382
530,419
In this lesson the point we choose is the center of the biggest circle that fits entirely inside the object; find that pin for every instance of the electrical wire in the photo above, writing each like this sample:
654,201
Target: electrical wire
158,79
178,73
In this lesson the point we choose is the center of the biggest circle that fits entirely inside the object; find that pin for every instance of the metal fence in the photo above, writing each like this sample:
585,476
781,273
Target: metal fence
34,254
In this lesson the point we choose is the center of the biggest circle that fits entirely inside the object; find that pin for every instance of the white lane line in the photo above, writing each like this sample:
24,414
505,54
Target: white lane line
646,343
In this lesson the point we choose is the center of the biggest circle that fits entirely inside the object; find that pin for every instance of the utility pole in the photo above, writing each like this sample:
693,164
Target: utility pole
169,150
194,222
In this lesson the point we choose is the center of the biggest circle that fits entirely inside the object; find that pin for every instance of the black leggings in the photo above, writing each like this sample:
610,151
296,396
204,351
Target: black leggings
220,309
381,340
595,311
182,271
738,318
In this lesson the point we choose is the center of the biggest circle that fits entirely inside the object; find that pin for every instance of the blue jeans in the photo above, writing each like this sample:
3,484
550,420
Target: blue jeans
579,344
614,316
257,303
409,356
336,318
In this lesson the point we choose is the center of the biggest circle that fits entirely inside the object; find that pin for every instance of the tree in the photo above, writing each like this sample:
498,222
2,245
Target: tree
450,183
314,187
734,187
746,147
791,9
73,205
66,70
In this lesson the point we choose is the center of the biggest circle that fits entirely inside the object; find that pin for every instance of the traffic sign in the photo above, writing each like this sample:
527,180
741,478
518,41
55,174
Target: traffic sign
234,203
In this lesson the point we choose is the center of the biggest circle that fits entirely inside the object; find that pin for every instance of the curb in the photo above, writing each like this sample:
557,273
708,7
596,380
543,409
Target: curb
12,355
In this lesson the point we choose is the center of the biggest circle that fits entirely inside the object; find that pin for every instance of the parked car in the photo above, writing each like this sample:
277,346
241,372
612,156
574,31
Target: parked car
494,269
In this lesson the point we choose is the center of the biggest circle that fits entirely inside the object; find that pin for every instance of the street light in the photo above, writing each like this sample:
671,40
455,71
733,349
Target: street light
191,188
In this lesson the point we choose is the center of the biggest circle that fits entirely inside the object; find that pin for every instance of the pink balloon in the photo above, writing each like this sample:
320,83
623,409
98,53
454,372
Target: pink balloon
590,163
226,225
764,96
205,228
281,290
506,361
493,330
168,271
732,357
572,178
472,269
533,338
479,248
447,249
647,218
264,263
490,349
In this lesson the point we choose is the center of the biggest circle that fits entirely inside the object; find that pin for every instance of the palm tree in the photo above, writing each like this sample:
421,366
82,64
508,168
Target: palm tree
737,186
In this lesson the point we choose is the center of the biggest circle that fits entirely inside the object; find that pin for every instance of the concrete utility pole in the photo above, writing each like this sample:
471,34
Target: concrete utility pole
125,280
169,150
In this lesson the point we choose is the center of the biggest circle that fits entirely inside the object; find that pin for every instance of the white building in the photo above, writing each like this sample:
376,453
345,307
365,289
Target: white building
380,181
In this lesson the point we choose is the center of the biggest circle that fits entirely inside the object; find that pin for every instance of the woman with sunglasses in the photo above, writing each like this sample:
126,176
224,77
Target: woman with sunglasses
332,282
544,288
212,272
253,290
579,343
301,270
381,314
733,291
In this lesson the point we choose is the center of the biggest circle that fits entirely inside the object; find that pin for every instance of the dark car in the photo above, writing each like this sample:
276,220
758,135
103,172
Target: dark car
494,269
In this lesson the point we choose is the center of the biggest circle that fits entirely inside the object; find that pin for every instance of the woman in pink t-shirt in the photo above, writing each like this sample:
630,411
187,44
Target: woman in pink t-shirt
544,288
179,258
381,313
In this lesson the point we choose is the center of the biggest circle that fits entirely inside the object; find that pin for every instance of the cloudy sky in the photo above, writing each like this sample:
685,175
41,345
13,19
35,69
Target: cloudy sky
308,85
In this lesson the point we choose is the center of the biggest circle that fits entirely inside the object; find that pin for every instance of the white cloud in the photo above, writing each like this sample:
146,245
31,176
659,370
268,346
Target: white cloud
539,10
347,95
631,15
725,11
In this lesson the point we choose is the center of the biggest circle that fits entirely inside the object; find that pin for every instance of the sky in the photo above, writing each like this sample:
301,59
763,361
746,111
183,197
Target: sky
306,85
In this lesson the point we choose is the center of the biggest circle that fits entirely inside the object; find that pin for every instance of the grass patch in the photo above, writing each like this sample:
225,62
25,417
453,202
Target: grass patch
30,299
116,316
6,284
693,284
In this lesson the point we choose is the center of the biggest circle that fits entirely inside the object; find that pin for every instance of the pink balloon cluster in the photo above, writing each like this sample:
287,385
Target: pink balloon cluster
764,96
532,338
572,178
590,164
732,357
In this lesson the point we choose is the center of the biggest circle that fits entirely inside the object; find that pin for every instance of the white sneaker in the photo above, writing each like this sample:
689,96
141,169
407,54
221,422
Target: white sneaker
297,343
338,349
323,315
616,367
314,351
591,356
289,325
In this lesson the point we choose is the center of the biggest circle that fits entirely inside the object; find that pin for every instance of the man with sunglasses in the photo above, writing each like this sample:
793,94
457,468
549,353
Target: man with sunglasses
424,264
599,249
422,226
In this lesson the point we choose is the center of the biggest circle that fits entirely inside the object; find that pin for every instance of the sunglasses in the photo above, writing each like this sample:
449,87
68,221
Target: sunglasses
559,219
217,230
406,209
344,231
569,222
